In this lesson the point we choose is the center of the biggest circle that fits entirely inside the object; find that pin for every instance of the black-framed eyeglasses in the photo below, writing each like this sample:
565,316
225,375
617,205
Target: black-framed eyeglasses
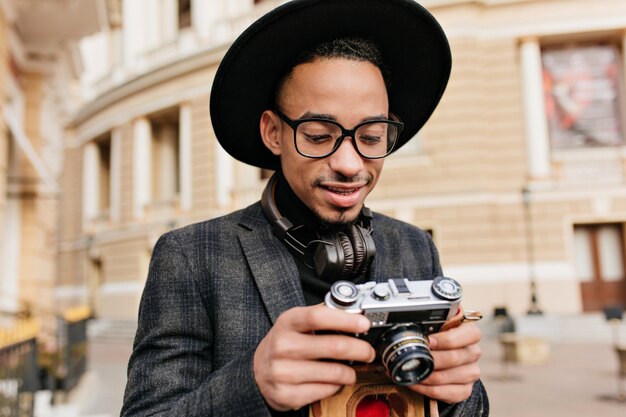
319,137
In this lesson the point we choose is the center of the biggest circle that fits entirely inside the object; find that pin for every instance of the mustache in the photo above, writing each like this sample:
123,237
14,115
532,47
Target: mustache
340,178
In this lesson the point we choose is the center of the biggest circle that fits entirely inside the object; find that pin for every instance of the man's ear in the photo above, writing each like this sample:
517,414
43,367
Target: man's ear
271,131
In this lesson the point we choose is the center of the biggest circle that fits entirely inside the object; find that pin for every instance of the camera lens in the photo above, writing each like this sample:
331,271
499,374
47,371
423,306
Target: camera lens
404,352
411,365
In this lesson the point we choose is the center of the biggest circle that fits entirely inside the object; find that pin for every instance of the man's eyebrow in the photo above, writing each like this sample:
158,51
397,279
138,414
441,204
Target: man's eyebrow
311,115
372,118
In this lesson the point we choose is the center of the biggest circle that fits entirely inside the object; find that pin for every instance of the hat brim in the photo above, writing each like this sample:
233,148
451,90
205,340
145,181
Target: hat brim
412,43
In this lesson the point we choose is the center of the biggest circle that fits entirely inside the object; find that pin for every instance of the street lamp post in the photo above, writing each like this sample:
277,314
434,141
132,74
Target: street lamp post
530,251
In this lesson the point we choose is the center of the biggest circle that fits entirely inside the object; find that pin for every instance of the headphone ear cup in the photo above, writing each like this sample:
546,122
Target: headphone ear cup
364,249
358,248
334,257
344,255
349,257
328,258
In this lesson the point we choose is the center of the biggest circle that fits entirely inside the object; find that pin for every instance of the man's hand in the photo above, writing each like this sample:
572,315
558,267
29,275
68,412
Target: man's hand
287,363
456,353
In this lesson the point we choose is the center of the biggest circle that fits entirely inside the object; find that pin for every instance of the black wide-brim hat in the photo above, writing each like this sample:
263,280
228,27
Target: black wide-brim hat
413,46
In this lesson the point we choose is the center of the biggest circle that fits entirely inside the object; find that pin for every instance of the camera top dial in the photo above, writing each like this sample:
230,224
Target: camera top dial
344,293
447,288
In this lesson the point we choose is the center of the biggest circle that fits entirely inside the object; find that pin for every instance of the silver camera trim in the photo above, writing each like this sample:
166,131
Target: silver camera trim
406,296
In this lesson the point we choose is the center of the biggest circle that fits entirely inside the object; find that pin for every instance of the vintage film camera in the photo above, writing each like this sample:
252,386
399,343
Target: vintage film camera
403,313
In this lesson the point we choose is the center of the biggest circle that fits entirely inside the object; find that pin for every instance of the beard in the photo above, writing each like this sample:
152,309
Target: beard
342,222
344,216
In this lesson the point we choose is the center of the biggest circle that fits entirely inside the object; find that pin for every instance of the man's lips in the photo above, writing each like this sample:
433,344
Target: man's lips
344,195
342,190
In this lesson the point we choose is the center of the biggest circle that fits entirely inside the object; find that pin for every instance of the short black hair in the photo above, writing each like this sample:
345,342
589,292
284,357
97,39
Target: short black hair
352,48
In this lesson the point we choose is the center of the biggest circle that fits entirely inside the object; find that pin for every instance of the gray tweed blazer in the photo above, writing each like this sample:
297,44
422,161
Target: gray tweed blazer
213,291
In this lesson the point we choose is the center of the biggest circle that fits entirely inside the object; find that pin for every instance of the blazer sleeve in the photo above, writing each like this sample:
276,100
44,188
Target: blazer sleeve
477,405
434,255
170,372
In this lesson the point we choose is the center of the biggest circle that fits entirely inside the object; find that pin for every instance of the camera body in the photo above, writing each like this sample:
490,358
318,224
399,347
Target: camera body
402,314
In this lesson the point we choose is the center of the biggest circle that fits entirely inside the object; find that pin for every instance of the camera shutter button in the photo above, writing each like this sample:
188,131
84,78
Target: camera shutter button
381,293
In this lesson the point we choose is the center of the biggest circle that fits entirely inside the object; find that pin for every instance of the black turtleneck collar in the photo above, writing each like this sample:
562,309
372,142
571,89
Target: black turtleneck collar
291,207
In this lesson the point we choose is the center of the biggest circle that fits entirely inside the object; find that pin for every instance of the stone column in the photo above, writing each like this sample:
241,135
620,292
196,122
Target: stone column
535,118
184,157
623,76
168,21
168,152
142,165
154,29
116,175
205,14
134,30
10,244
91,183
224,174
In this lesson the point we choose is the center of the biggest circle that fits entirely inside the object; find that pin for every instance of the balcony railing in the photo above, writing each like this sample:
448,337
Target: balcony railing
25,370
19,372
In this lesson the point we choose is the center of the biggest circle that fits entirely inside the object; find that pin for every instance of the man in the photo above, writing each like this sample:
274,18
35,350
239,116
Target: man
230,322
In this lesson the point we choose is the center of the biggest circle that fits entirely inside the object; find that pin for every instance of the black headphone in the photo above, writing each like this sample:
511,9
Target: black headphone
333,256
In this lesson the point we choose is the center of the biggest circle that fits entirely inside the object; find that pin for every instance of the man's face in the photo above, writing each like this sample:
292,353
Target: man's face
348,92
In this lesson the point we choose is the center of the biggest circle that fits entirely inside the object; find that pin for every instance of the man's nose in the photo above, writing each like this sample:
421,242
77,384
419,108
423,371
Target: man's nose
346,160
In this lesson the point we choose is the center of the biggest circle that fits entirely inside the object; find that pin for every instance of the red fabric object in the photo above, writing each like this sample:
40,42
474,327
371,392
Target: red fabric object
372,407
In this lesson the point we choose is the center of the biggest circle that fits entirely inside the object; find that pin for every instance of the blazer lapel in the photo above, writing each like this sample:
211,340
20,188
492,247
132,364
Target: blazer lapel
386,264
271,264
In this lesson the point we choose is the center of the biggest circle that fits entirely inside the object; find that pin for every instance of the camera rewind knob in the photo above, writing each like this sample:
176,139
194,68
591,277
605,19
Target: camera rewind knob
344,293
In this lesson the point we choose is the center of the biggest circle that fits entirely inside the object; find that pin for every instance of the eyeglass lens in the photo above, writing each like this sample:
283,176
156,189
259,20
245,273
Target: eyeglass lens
319,138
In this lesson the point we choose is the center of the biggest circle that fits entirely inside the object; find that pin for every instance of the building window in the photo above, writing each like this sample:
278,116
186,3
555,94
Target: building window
103,146
164,127
599,261
582,85
97,180
184,14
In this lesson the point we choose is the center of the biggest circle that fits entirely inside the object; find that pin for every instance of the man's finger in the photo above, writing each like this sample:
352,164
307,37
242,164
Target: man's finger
463,335
447,359
291,398
320,317
326,346
447,393
295,372
464,374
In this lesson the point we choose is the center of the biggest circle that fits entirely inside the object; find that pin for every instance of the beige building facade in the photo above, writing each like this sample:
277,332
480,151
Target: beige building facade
39,90
519,174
